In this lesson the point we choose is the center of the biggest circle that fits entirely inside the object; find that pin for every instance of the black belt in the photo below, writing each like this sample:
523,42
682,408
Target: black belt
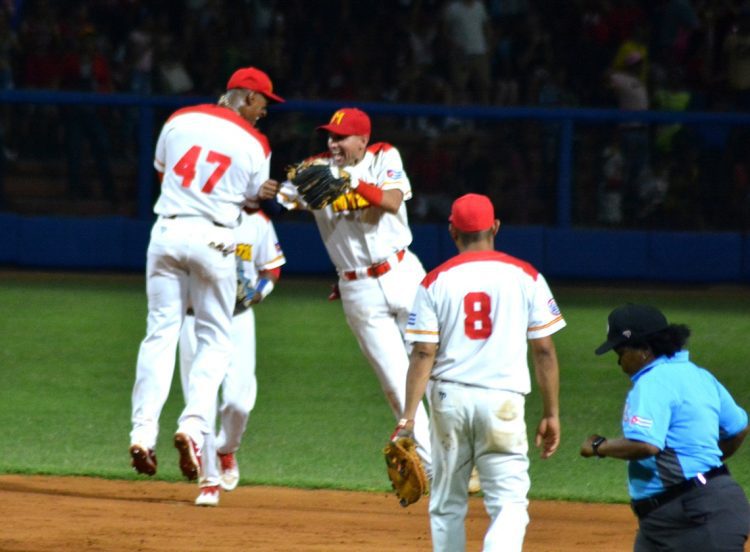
645,506
171,217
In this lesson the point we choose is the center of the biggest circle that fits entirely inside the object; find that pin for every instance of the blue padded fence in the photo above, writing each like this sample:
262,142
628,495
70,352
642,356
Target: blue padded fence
559,251
118,243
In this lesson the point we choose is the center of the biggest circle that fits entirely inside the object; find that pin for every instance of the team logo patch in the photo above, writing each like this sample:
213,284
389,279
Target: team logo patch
640,422
553,308
412,318
394,174
277,245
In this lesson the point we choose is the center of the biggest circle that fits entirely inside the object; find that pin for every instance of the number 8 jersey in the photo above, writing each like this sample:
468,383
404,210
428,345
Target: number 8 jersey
213,161
482,307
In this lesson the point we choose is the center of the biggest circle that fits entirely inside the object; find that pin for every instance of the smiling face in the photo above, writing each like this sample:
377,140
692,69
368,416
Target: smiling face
347,150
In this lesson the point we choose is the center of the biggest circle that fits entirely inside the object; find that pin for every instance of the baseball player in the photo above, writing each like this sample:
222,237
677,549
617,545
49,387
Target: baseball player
259,260
367,236
211,161
474,318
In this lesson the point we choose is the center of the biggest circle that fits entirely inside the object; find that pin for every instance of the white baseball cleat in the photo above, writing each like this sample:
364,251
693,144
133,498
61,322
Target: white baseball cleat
209,496
474,485
229,471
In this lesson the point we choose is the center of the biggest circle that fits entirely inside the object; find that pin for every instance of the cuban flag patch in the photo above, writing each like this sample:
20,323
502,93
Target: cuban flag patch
395,175
636,420
412,318
553,308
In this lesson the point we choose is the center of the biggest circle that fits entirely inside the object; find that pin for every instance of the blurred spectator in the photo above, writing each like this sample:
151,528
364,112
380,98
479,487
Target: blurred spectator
9,50
425,82
86,68
670,94
506,82
172,74
675,21
467,30
593,47
713,144
736,49
36,124
610,186
430,167
633,136
534,52
635,43
141,44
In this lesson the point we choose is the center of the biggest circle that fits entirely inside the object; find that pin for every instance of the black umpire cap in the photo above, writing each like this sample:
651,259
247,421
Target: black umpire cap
630,323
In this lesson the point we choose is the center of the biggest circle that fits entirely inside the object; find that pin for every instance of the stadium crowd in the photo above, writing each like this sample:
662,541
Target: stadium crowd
686,55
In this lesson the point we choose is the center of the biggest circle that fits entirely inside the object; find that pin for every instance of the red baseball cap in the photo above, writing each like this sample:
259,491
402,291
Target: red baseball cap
253,79
472,213
348,121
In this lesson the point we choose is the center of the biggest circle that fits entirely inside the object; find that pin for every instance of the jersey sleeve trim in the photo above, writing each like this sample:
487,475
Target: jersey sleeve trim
422,332
227,115
275,262
547,325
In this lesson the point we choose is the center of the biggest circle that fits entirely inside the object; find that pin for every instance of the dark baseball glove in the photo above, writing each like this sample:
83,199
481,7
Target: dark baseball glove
315,183
405,470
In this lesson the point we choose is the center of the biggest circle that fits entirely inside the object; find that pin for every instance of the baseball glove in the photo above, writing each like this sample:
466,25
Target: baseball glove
405,470
315,182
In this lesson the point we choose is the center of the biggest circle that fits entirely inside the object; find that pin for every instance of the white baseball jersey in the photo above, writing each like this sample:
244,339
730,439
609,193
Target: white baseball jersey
257,245
482,307
354,235
213,161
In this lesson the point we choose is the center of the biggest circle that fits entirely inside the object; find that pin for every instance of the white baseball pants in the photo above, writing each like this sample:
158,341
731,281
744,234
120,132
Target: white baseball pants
239,389
183,269
483,427
377,310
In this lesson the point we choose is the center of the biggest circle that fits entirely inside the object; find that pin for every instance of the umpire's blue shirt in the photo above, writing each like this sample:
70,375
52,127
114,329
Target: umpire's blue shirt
683,410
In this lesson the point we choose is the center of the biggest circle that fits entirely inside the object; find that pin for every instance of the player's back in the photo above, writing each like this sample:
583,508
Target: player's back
212,160
486,302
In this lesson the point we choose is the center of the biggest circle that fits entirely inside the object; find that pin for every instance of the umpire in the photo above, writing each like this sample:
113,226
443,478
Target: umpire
679,425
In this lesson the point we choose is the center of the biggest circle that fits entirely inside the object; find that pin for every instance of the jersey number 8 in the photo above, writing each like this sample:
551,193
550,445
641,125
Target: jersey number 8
477,308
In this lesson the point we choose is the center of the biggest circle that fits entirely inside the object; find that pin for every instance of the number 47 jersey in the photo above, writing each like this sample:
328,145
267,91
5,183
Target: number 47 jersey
213,162
482,307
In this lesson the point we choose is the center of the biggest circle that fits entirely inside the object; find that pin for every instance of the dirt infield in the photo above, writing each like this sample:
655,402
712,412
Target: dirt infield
74,513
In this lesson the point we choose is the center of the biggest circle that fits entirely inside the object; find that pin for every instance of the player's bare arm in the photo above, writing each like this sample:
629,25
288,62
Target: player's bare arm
547,373
420,367
392,200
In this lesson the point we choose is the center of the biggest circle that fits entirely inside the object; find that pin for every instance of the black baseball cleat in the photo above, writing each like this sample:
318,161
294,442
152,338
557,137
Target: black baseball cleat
143,459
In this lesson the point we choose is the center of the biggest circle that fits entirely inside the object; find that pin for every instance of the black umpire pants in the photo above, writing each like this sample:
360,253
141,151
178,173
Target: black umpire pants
711,518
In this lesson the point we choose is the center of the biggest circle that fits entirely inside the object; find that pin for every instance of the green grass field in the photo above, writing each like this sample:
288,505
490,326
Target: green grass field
69,344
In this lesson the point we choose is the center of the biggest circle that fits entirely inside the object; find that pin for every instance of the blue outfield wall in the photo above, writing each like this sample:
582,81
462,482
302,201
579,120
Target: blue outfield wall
118,243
